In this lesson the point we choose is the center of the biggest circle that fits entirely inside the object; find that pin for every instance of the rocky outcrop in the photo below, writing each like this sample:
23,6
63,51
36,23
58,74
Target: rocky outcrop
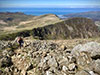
4,44
71,28
93,48
50,58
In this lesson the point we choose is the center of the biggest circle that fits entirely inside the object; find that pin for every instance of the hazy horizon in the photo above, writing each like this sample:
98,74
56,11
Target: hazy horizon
58,7
50,3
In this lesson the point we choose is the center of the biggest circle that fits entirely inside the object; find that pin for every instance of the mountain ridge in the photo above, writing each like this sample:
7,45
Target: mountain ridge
19,24
91,14
70,28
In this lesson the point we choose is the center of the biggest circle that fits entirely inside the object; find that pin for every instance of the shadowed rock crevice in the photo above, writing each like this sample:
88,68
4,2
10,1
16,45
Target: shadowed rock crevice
96,57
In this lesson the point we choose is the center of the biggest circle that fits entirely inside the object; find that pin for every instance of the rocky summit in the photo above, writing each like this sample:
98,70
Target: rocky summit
49,58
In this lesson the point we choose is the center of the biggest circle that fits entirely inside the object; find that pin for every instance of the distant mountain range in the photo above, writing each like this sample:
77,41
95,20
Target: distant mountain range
11,19
49,26
95,15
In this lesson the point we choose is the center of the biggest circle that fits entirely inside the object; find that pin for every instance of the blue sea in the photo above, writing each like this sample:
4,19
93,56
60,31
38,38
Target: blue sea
41,11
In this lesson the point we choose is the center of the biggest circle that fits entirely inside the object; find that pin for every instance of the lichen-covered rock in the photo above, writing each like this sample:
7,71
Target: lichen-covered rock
91,47
83,72
52,62
4,44
72,66
97,66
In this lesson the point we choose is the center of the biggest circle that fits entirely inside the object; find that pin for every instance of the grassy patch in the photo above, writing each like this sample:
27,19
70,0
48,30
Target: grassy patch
12,36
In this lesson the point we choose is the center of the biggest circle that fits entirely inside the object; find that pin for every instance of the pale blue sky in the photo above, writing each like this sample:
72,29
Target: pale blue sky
50,3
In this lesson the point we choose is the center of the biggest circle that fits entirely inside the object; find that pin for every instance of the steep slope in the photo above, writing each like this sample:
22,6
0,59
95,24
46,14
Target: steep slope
95,15
71,28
